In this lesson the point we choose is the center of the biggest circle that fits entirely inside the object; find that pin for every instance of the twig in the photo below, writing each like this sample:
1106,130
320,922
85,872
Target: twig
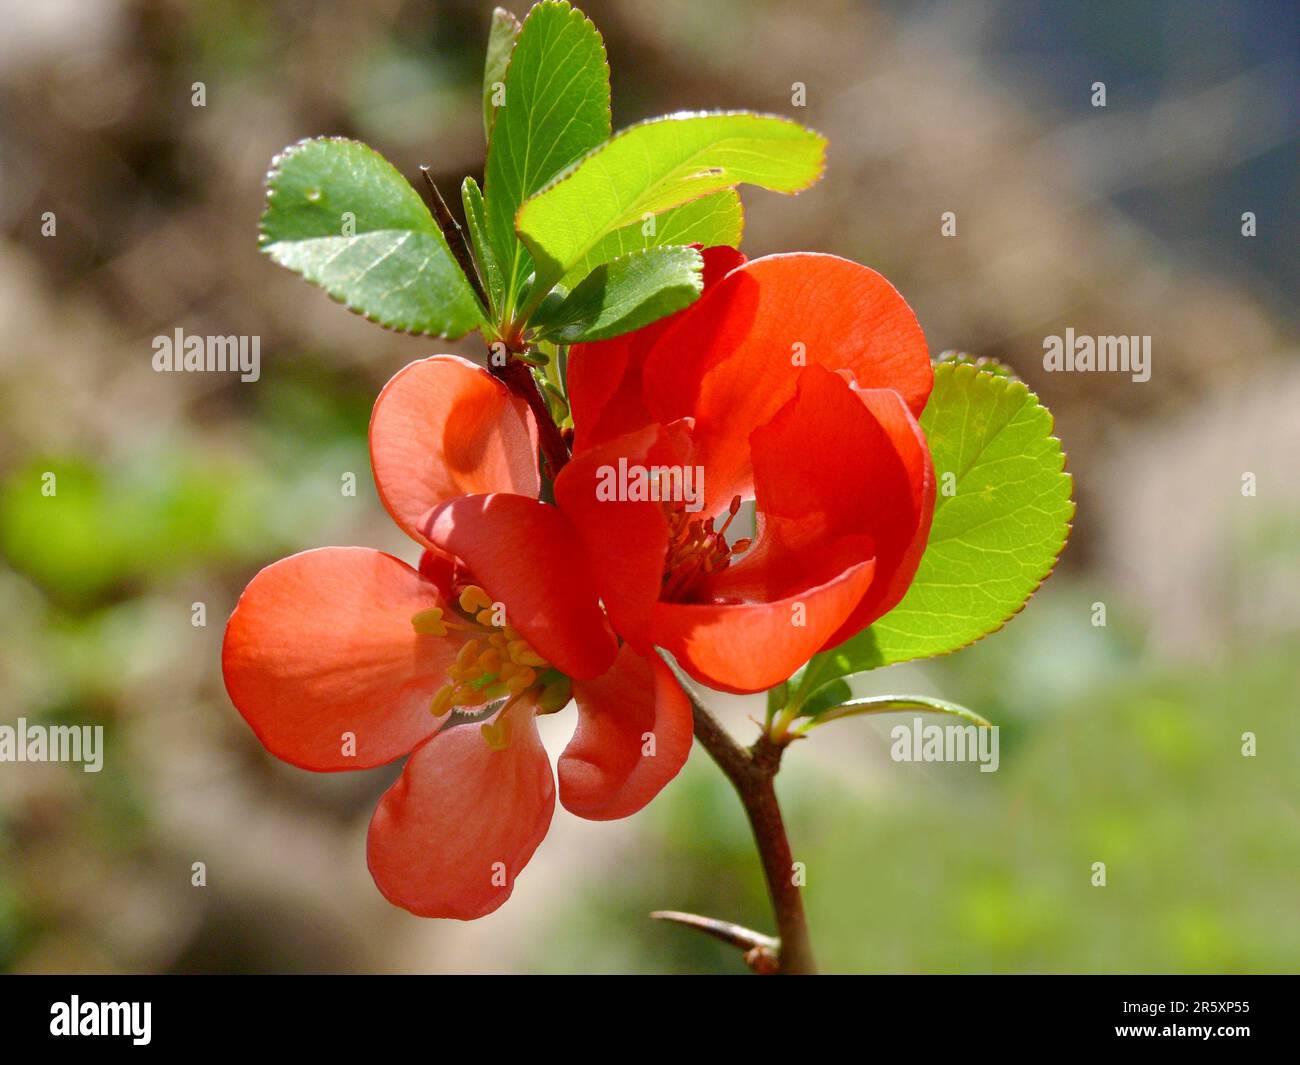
518,377
762,953
752,773
455,237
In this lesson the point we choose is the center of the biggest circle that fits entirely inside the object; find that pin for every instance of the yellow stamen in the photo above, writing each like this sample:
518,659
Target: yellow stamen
521,681
474,598
442,700
497,733
495,662
429,623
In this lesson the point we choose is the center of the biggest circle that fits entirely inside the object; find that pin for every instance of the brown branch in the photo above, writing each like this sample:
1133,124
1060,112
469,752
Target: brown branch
518,377
752,773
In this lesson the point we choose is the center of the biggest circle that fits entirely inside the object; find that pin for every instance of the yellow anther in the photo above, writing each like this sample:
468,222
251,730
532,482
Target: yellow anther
429,622
520,681
486,616
497,733
443,700
491,665
520,652
474,598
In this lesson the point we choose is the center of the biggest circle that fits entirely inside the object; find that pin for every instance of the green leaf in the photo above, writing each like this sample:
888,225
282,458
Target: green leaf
556,109
626,294
660,164
980,362
475,222
501,42
709,221
891,704
995,538
395,267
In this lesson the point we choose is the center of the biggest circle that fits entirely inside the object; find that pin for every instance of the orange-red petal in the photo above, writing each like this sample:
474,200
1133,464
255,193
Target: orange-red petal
732,359
844,490
625,540
443,427
899,519
451,835
753,646
604,378
526,555
634,733
320,658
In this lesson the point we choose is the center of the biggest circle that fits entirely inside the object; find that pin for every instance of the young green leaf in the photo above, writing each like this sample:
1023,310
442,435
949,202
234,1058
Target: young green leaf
891,704
709,221
556,109
340,214
1002,514
501,42
475,222
660,164
627,293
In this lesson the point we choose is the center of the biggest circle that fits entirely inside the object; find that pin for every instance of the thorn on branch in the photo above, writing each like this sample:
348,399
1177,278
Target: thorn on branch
762,953
455,237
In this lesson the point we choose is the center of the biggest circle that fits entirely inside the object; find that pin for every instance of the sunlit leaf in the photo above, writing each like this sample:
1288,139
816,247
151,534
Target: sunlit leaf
341,215
1002,515
501,42
709,221
475,221
660,164
627,293
556,109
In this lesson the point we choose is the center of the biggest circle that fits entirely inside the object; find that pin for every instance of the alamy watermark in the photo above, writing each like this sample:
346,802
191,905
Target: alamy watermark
1082,354
212,354
76,1018
919,742
632,483
22,742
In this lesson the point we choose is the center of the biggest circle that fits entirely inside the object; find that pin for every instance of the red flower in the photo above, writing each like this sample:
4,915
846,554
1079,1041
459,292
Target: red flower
794,380
336,657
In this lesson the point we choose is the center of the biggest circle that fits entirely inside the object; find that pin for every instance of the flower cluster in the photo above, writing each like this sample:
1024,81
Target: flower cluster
794,381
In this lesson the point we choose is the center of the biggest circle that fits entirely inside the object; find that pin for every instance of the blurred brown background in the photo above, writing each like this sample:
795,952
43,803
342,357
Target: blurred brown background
1120,744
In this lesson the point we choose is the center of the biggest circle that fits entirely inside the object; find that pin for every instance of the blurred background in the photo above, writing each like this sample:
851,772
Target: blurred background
1120,743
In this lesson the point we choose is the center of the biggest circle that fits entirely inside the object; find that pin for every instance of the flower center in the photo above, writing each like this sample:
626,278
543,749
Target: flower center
495,662
695,550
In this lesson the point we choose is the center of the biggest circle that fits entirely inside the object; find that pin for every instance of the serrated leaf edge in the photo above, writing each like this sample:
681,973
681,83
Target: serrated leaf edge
697,273
677,116
264,244
1069,524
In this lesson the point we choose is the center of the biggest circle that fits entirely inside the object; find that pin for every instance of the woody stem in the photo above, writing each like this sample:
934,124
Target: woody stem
752,772
517,377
